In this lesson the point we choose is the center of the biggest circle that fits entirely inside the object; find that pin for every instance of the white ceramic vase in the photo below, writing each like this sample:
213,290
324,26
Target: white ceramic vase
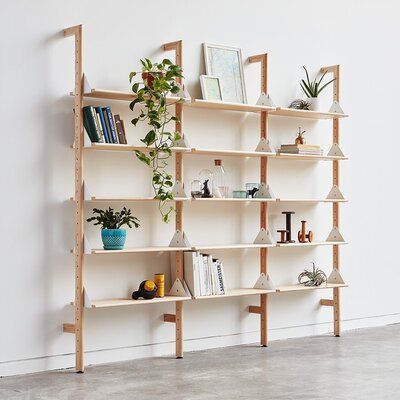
314,103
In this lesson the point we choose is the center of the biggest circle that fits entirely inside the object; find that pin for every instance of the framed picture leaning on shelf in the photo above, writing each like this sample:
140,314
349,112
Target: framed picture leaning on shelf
211,88
226,63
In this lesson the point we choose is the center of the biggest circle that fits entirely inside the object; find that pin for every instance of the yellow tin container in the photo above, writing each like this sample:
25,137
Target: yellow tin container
159,281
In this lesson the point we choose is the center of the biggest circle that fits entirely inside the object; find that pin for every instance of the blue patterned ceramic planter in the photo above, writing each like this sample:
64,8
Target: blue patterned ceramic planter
113,239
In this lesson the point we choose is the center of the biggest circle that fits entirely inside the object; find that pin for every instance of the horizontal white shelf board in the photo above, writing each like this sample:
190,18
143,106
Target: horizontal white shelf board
298,287
130,302
236,293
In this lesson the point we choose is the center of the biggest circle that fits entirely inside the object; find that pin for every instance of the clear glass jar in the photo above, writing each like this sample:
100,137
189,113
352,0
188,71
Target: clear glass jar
221,188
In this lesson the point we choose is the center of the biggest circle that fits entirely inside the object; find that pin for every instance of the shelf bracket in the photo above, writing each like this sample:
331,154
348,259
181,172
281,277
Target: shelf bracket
255,310
264,237
178,190
335,194
264,192
264,282
86,299
335,108
86,85
86,140
335,151
265,146
170,318
265,100
87,248
335,277
183,93
326,302
86,192
179,240
178,289
69,328
335,236
182,142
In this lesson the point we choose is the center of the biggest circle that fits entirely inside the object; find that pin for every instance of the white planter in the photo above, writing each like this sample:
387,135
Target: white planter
314,103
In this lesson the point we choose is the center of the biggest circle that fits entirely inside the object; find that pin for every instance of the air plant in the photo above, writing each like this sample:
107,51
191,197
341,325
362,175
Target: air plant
316,277
313,88
299,104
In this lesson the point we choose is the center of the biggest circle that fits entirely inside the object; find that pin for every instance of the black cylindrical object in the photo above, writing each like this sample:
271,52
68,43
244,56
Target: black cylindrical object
289,225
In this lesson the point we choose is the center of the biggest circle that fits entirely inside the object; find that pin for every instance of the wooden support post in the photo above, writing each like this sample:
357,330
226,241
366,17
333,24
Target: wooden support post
326,302
177,47
263,59
334,69
169,318
76,31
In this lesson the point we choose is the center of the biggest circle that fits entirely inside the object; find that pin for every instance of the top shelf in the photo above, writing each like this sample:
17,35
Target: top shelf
219,105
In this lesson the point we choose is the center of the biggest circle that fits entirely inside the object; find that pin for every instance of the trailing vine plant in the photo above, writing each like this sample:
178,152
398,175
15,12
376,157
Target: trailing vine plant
158,81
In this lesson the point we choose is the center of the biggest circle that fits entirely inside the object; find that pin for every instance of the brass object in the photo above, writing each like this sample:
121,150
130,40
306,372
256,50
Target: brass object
300,138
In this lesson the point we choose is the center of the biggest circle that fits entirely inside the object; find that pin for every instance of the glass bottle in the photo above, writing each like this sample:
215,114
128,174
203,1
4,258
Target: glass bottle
220,180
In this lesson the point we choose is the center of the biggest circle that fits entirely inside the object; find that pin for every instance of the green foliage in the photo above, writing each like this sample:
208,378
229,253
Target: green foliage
313,88
109,219
316,277
159,80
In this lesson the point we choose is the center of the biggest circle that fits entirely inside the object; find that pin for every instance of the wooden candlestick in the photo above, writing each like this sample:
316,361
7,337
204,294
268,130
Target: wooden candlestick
303,236
283,233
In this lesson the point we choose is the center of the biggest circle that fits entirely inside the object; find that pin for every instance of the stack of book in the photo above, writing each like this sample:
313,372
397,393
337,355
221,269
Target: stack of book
204,275
102,126
301,149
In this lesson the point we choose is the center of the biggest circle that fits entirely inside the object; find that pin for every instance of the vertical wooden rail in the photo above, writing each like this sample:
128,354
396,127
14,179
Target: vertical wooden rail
177,47
263,59
335,206
76,31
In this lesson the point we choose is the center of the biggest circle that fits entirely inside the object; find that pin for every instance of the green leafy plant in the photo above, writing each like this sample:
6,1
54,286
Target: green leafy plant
313,88
108,219
316,277
158,81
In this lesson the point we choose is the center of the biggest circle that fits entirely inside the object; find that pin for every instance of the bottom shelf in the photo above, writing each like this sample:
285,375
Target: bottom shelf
131,302
298,287
235,293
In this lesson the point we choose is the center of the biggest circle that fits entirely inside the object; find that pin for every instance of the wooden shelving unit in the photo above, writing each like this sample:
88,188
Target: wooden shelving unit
80,197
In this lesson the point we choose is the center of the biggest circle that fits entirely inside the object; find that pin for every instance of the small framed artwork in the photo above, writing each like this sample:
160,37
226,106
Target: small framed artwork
226,63
211,87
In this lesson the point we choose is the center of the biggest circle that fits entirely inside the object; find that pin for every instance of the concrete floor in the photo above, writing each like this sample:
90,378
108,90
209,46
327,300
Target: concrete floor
362,364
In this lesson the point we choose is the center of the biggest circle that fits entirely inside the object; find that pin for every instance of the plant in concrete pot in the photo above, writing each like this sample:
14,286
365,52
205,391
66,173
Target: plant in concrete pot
312,89
158,81
112,235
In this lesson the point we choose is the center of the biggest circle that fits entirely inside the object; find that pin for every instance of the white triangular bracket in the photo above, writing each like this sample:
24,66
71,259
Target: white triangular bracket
86,299
179,240
335,277
265,146
264,282
86,192
183,93
335,236
264,192
178,190
86,140
335,151
86,85
87,248
335,108
265,100
178,289
264,237
335,194
182,142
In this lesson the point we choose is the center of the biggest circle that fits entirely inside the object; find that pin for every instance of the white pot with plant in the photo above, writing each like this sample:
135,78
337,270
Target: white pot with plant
312,89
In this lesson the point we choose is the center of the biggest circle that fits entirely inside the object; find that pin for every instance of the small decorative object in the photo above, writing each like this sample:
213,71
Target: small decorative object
300,138
316,277
211,88
283,233
196,189
147,290
158,81
300,104
219,180
252,189
226,63
313,88
239,194
112,235
159,280
206,179
288,226
303,236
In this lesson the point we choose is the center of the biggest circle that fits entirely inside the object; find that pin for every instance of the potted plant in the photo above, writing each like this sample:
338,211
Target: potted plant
158,81
112,235
312,89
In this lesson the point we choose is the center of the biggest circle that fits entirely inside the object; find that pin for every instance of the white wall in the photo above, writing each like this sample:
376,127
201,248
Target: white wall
36,75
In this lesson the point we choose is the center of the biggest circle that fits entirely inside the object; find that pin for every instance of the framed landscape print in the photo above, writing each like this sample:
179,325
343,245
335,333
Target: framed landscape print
226,63
211,87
